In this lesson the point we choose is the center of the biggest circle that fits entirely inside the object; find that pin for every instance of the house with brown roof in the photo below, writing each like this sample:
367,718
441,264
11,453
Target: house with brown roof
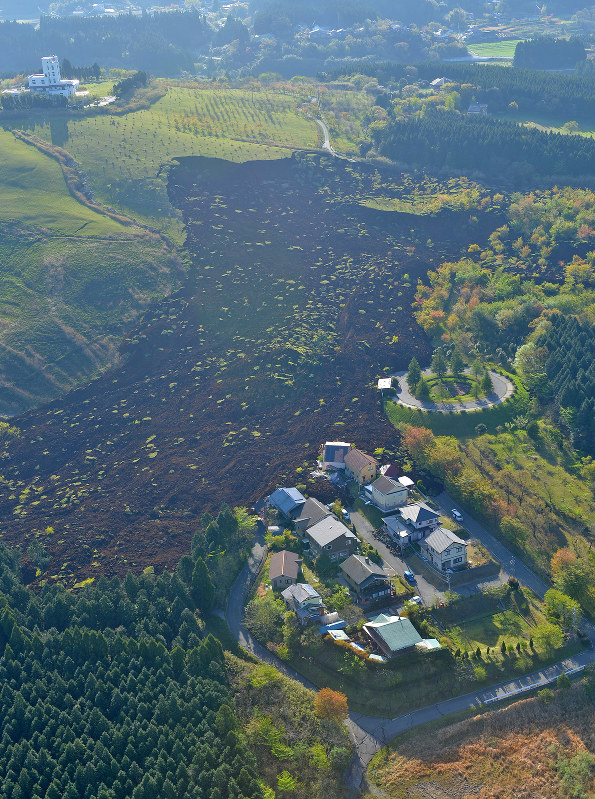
312,512
360,467
284,569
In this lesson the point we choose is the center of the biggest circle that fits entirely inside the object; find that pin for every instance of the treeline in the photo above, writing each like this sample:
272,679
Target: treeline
161,43
559,367
444,140
68,71
340,13
566,95
546,52
115,690
128,85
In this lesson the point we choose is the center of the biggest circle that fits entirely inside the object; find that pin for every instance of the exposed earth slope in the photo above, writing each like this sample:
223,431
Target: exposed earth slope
297,298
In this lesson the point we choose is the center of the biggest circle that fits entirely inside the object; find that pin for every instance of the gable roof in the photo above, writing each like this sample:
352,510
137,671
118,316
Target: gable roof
359,569
441,538
328,530
284,564
395,525
334,451
386,486
389,470
312,511
300,593
420,512
358,460
395,631
287,499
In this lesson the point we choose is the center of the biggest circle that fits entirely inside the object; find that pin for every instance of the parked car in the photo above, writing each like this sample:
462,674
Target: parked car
346,515
409,576
417,600
458,517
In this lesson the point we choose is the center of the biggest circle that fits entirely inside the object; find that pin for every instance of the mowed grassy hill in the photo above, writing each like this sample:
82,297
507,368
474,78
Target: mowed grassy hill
124,156
71,280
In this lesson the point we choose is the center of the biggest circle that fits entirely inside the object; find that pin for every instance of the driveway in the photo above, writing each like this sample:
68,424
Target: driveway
394,564
503,389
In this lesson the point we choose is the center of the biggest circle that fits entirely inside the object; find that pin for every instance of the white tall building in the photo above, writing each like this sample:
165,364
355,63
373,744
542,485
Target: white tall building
50,81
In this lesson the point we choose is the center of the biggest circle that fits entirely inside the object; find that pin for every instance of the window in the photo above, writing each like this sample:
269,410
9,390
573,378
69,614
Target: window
457,560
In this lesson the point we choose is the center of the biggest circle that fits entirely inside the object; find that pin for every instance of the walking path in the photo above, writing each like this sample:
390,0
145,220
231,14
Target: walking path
503,389
370,733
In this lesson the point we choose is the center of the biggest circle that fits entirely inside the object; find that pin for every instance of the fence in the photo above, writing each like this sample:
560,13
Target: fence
524,688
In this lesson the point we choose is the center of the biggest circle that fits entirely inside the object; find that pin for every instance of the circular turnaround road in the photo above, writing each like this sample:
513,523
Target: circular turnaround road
503,389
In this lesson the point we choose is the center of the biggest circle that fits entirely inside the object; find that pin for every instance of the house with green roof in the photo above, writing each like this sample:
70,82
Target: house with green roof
392,635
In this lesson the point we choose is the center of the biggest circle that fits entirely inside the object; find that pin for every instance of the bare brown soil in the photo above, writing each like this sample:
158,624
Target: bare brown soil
512,753
297,299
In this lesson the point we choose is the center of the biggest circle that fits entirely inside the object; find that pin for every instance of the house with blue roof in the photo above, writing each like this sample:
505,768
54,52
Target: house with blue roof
288,501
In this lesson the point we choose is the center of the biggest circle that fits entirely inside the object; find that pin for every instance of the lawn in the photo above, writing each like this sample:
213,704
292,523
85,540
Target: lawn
452,390
501,49
126,156
72,280
550,122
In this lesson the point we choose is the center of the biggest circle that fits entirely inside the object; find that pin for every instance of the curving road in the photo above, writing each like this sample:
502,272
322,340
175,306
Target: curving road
370,733
503,389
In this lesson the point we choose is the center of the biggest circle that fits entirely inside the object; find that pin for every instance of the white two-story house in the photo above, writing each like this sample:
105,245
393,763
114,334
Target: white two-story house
444,549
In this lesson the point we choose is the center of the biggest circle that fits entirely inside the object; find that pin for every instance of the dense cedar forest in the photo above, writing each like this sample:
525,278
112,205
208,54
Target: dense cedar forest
570,96
114,691
481,144
162,43
549,53
566,352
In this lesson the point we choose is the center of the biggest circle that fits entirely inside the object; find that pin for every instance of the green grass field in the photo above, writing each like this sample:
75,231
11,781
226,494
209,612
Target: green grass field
72,280
503,49
550,122
124,156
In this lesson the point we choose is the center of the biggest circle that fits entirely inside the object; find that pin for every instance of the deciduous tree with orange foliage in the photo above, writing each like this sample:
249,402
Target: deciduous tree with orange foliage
329,704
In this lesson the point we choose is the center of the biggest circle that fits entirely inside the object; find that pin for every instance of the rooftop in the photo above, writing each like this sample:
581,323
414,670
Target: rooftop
287,499
359,568
328,530
357,460
300,593
419,512
312,511
441,539
395,631
384,485
284,564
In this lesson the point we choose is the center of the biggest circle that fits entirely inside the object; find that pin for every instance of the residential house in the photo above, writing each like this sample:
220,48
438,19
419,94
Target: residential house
333,454
478,108
399,532
331,537
288,501
368,580
304,601
438,83
444,549
390,470
388,494
360,467
311,512
393,635
284,569
420,516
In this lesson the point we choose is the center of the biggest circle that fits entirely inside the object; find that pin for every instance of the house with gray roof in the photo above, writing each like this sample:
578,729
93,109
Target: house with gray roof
288,501
420,516
388,494
444,549
305,602
392,635
311,512
366,579
331,537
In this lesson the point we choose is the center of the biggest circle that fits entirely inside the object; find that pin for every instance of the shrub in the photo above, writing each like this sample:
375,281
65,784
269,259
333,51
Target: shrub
546,695
329,704
480,673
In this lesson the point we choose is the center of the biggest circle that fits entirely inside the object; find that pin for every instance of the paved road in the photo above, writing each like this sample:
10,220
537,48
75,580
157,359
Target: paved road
327,139
370,733
393,563
503,389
